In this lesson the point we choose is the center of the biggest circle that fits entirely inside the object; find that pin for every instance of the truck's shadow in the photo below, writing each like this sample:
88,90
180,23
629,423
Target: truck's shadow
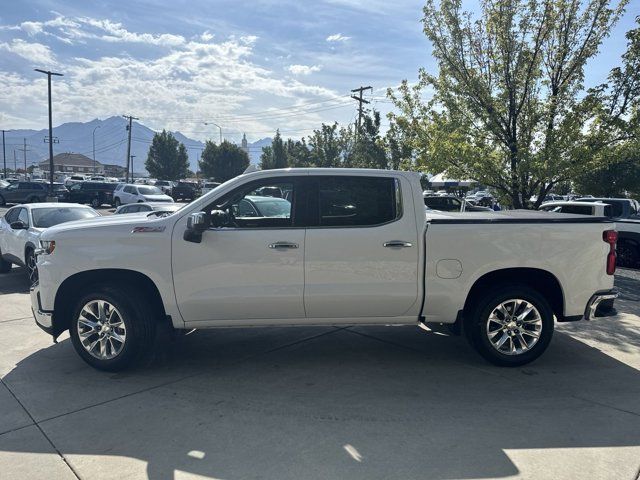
363,402
346,404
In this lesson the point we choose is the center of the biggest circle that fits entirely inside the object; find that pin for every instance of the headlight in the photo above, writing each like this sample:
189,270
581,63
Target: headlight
48,246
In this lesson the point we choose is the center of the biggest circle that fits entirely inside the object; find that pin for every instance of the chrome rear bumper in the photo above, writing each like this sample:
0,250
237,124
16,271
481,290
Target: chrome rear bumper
596,301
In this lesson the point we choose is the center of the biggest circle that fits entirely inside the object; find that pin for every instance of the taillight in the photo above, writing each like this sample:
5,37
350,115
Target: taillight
611,237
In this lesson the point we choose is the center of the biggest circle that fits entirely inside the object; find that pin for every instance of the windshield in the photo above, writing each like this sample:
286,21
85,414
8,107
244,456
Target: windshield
274,208
58,187
48,217
149,191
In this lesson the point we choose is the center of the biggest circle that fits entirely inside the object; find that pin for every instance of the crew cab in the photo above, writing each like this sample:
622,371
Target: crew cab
350,246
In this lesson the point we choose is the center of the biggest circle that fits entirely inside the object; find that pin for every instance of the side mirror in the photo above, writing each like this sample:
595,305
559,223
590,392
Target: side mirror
197,223
18,225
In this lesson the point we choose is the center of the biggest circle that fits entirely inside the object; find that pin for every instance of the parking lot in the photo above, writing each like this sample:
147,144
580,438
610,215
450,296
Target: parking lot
311,402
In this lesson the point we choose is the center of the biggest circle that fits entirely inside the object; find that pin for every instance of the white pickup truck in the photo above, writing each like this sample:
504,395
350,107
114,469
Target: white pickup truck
321,247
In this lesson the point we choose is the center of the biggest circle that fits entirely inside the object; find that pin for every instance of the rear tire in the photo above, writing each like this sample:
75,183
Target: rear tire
628,254
116,337
5,265
95,203
510,325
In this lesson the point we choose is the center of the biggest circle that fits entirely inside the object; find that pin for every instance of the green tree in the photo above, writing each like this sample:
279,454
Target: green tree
368,150
167,158
298,154
223,162
275,155
506,109
325,146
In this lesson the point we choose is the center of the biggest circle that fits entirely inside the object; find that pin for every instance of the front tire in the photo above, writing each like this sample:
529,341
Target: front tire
510,326
117,202
112,328
95,203
628,254
32,267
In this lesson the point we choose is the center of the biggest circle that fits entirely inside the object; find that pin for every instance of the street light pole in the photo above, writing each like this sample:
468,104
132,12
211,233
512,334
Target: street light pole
4,156
215,125
94,148
49,73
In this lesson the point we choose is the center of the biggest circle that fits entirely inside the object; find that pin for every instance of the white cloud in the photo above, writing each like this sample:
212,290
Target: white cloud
337,37
34,52
32,28
206,36
304,69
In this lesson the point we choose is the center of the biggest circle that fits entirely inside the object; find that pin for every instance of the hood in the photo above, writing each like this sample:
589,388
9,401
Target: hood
112,221
158,198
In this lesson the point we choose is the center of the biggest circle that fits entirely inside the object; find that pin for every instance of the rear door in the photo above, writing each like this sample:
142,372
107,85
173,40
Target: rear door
361,249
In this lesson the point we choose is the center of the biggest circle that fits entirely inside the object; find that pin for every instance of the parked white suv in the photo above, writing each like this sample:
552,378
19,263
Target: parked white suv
21,226
131,193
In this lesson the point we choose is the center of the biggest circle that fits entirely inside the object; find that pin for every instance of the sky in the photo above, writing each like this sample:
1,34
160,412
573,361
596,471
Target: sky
247,66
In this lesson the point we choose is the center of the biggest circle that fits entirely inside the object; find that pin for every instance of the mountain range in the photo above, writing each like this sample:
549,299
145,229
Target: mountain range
110,143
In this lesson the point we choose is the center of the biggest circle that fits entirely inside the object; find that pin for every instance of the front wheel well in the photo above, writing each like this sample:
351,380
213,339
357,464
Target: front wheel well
542,281
69,291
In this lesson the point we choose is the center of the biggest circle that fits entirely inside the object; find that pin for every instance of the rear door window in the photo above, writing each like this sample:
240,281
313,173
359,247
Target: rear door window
356,201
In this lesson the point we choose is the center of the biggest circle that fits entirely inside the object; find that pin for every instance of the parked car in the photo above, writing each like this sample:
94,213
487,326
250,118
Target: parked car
21,226
31,192
449,203
261,207
620,207
628,244
148,207
94,193
4,183
596,209
131,193
74,179
356,247
208,186
185,191
165,186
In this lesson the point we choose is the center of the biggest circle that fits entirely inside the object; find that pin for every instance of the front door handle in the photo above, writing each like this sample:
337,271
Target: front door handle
283,245
397,244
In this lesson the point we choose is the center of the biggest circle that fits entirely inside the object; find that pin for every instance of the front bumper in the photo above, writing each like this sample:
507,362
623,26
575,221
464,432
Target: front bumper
598,301
44,318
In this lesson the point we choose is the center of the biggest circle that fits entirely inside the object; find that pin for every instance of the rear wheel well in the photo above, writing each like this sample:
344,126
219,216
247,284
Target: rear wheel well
74,286
540,280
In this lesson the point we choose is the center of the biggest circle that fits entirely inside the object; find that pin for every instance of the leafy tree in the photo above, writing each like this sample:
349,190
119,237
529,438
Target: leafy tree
167,158
298,153
368,149
274,156
506,109
325,146
223,162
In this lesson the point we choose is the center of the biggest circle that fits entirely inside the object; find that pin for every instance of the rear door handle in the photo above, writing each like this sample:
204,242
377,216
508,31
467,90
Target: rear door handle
283,245
397,244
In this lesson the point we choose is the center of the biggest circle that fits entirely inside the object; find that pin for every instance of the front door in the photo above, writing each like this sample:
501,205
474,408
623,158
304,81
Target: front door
361,257
251,265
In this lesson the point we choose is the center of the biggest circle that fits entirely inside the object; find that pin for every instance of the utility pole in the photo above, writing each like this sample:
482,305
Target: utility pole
360,101
4,156
15,163
129,144
132,157
94,148
24,150
48,73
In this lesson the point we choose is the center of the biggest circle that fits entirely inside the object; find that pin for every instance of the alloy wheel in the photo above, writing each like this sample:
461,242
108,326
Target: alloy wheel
514,326
101,329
